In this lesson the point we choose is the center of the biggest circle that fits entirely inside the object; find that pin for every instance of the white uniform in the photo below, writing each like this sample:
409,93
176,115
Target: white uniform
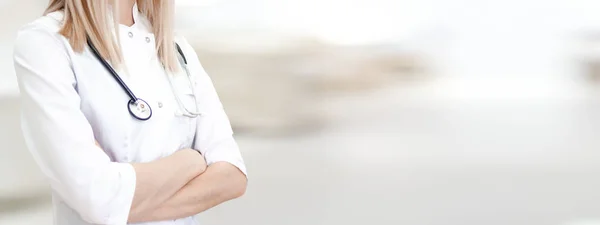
69,100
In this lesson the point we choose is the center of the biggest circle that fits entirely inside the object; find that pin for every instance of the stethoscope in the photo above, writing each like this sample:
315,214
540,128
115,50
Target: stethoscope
139,108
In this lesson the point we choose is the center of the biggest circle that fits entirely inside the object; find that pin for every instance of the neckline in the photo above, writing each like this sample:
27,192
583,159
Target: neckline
136,14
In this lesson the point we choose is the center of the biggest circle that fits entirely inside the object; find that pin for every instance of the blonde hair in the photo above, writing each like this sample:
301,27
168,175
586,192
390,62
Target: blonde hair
85,19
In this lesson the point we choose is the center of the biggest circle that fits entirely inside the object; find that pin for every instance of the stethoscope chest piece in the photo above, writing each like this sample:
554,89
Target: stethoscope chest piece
139,109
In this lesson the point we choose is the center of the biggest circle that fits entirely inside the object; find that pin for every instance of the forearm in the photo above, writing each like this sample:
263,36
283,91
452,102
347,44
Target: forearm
219,183
157,181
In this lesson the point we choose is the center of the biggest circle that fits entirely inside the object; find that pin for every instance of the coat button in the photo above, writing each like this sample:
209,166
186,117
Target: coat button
160,105
147,40
130,34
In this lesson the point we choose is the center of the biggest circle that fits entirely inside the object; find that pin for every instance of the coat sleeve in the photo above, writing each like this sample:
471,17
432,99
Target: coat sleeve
214,135
59,136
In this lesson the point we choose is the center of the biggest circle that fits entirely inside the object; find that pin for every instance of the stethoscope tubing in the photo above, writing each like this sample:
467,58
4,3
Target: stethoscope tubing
112,72
135,101
181,53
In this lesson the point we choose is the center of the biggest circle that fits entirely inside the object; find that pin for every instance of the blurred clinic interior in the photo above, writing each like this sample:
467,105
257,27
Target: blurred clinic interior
414,112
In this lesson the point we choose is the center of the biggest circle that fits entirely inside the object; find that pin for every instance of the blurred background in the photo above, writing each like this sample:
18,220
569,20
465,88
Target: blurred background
416,112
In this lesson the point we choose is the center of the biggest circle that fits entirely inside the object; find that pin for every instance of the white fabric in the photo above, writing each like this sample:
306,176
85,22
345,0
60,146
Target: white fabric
69,100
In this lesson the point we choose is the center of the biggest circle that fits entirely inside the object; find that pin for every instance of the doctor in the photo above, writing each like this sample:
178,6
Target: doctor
121,117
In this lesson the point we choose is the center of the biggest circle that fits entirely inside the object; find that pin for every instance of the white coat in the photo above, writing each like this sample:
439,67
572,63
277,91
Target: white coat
69,100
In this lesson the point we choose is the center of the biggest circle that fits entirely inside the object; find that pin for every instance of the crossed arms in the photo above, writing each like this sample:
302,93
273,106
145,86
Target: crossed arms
181,185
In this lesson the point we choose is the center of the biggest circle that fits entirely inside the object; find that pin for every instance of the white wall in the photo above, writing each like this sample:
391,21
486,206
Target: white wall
471,38
467,38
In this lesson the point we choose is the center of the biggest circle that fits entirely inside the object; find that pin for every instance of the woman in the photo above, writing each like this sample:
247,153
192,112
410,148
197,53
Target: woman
111,157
